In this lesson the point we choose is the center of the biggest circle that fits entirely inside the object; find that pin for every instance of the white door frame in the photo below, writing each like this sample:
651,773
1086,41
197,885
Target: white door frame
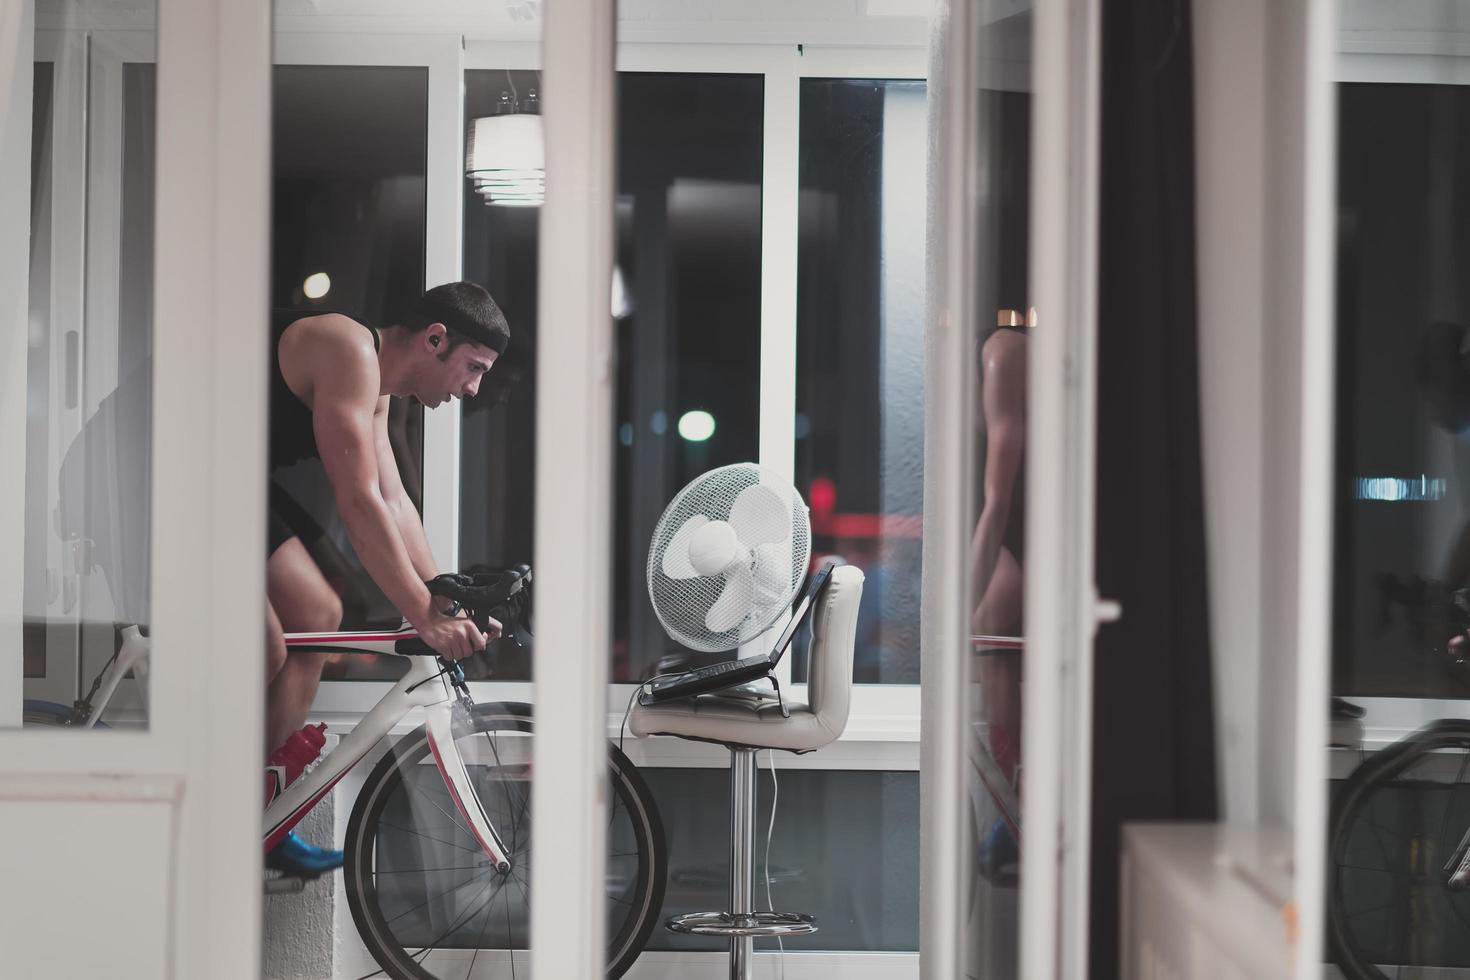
212,208
1062,605
574,411
68,52
211,205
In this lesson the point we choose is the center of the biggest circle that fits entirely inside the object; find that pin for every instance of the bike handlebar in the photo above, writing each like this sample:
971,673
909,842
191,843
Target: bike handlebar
503,595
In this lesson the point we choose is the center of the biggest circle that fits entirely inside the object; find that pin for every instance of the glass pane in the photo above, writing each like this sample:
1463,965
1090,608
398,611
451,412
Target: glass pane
870,905
997,542
88,459
1396,901
1403,540
349,151
860,351
376,343
687,302
498,434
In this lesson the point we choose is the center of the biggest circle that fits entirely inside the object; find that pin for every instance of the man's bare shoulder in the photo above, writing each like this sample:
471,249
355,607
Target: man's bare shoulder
331,350
1003,350
332,338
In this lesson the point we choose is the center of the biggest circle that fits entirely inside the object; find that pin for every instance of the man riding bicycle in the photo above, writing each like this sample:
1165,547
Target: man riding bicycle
331,381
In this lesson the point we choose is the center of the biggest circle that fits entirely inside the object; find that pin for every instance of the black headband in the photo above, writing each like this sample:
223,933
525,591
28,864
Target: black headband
460,323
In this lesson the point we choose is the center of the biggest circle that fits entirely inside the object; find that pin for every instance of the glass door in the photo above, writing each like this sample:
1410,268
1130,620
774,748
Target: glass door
129,680
1009,602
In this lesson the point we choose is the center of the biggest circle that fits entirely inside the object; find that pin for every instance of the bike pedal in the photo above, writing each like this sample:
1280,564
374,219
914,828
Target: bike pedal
288,884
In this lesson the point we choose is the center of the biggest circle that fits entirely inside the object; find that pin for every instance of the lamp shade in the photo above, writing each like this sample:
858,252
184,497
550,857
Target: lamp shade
506,159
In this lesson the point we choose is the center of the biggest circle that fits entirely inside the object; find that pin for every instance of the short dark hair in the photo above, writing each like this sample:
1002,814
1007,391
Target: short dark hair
467,311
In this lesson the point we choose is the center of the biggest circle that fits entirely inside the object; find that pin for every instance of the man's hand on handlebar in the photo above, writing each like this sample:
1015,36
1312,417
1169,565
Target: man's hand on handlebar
459,621
458,637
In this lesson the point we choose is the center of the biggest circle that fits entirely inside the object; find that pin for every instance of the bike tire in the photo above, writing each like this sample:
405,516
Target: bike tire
636,838
35,712
1398,781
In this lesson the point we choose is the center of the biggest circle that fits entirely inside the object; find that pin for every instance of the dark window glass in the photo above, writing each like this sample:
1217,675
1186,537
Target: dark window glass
348,163
688,327
1403,390
843,850
38,374
498,434
860,351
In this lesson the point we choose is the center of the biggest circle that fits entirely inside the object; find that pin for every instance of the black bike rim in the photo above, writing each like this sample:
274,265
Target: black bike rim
630,931
1405,893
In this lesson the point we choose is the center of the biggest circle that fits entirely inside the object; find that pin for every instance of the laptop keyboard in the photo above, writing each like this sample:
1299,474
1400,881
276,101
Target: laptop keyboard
707,673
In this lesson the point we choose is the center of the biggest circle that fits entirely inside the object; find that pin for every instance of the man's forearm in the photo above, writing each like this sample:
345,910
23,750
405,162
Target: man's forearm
985,551
380,545
415,541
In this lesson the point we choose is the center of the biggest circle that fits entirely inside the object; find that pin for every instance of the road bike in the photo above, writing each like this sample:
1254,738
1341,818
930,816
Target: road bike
437,869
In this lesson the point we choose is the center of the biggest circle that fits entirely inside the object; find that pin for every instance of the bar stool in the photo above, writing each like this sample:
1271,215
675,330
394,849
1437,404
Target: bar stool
745,727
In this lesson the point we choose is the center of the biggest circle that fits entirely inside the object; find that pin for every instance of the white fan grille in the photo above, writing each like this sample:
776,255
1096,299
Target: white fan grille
683,603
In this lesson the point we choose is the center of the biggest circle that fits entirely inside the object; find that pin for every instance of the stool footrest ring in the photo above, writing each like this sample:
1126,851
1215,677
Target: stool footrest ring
749,924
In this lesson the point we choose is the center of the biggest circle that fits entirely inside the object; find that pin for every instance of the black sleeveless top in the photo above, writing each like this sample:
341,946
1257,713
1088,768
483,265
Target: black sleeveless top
292,437
1015,536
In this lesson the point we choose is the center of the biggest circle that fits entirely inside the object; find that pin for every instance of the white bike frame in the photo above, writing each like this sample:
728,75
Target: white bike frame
426,685
989,777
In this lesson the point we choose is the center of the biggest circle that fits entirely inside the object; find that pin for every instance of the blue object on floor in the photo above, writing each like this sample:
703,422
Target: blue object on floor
999,856
295,856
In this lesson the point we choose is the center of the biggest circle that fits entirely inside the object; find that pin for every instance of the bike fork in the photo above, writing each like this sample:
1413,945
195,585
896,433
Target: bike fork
1458,866
440,724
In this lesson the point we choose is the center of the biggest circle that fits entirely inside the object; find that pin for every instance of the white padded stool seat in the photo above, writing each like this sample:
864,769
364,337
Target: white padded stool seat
760,725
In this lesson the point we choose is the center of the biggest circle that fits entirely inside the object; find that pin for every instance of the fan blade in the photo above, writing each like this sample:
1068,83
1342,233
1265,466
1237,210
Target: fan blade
760,515
733,605
772,571
676,553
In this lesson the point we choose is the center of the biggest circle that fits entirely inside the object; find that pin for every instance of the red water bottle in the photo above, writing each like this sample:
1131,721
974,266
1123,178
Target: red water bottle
288,761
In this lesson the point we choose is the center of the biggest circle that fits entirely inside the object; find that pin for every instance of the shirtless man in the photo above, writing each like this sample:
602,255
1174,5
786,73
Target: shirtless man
996,553
331,379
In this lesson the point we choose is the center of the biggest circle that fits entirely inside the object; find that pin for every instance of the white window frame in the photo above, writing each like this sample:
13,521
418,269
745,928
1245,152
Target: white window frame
883,731
67,52
880,712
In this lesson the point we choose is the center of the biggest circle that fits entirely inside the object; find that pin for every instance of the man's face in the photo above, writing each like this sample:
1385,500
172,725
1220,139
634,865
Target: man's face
450,373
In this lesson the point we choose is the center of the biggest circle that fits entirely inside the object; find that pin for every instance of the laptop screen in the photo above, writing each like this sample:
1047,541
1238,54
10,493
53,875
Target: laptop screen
814,588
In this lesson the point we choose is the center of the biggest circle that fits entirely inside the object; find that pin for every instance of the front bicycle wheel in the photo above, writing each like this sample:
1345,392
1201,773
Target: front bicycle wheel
422,893
50,713
1399,826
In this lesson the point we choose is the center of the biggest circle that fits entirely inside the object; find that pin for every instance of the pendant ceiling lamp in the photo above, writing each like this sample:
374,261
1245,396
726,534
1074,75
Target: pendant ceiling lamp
505,155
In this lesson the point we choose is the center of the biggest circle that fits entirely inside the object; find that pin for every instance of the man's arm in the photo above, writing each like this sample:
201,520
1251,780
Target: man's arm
1004,404
344,402
390,485
343,405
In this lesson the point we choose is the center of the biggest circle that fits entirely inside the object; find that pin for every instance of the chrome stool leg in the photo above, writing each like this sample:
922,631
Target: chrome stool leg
742,856
742,923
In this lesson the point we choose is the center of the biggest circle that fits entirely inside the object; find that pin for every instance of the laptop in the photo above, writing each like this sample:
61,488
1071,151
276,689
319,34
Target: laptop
732,673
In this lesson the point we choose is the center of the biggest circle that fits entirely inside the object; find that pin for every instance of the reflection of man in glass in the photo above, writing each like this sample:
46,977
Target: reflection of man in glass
331,381
1442,372
997,548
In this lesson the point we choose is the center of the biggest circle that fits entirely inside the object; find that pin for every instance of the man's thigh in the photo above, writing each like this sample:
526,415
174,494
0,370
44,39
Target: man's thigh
299,592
